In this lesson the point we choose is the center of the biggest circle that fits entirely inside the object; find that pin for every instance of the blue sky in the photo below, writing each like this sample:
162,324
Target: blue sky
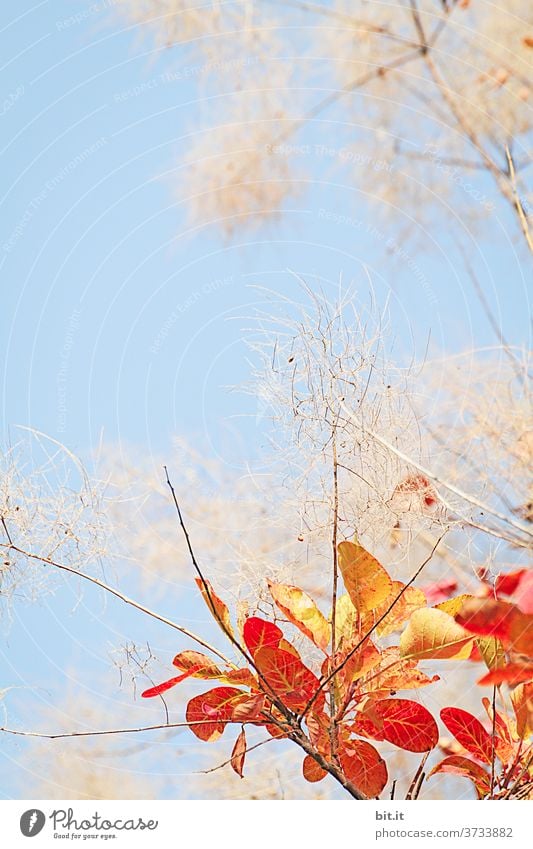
114,320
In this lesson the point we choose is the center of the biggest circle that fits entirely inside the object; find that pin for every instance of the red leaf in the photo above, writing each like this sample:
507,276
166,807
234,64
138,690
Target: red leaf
469,732
363,765
238,754
249,709
513,673
508,584
312,771
458,765
488,617
287,678
167,685
407,724
209,713
258,633
440,590
524,594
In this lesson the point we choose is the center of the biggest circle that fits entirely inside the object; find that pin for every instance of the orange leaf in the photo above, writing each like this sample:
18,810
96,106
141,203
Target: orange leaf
197,664
366,581
259,633
288,679
396,673
522,699
469,732
318,725
363,765
238,754
215,605
407,724
432,633
241,676
513,673
412,599
312,771
458,765
209,713
503,741
300,609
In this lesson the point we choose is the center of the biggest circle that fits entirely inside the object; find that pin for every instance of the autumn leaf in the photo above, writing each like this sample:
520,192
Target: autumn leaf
215,605
366,581
523,597
432,633
522,699
301,610
250,709
240,676
259,633
509,583
353,666
411,599
318,725
512,674
345,620
469,732
167,685
209,713
312,771
439,591
406,724
458,765
503,740
491,651
488,617
287,677
453,605
362,764
238,754
198,664
395,673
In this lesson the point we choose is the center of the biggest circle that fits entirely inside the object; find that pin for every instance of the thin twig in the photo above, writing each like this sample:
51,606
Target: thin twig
416,782
517,202
126,599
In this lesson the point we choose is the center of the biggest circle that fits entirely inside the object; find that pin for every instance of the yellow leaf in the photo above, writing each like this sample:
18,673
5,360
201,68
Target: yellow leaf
453,605
492,652
301,610
434,634
366,581
345,620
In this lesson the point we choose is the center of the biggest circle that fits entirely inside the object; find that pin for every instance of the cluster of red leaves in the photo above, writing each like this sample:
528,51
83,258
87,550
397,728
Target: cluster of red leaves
350,697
